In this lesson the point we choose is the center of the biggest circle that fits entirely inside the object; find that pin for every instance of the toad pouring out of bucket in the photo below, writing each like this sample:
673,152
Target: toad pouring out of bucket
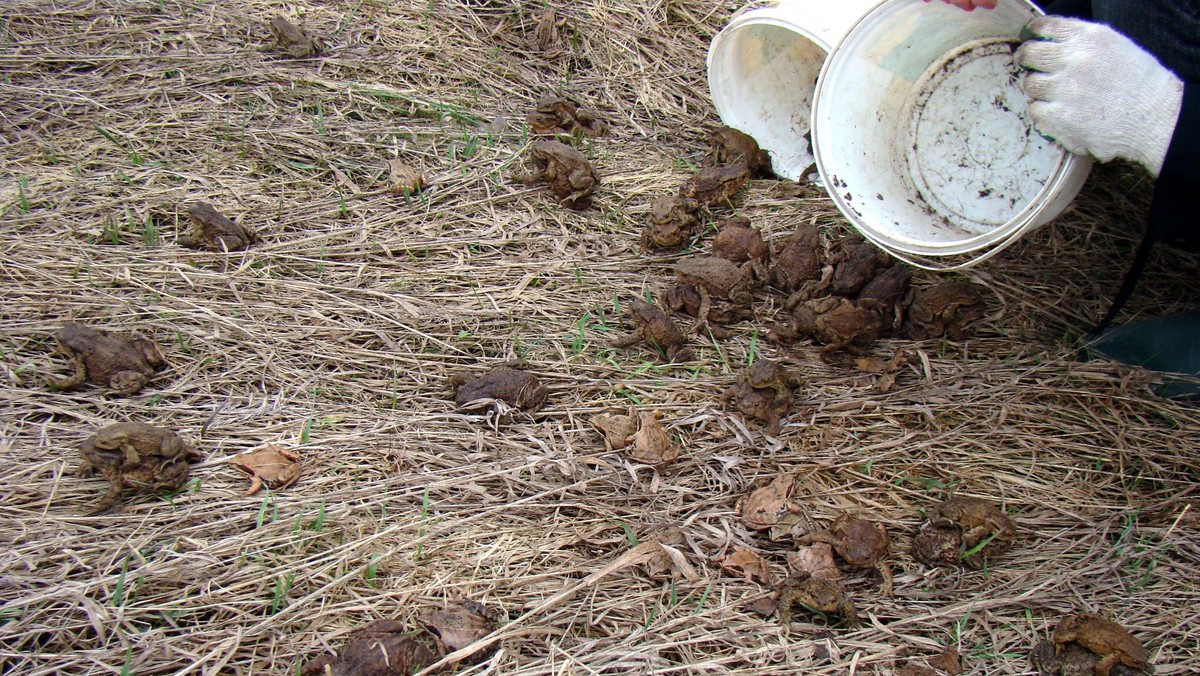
917,120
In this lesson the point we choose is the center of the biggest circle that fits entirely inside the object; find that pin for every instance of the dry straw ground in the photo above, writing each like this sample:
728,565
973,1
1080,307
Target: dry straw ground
335,335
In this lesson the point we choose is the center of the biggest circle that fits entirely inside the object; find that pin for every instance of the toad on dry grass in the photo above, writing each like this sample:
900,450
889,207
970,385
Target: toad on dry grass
855,262
509,383
404,179
715,278
654,326
135,456
731,146
651,443
686,298
799,263
763,392
964,530
767,506
815,595
887,291
1086,643
566,170
553,114
860,543
388,647
275,466
949,308
671,223
835,321
739,242
712,186
124,363
214,231
293,41
617,429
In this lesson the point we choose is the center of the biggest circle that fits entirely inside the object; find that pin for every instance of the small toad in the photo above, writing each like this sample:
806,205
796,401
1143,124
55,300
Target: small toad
1072,660
855,262
835,321
800,261
949,308
275,466
654,326
652,444
553,114
293,41
739,242
124,363
214,231
509,383
815,595
964,530
686,298
763,392
712,186
1110,642
729,146
767,506
617,429
671,223
382,647
887,290
459,625
135,456
566,170
405,179
859,542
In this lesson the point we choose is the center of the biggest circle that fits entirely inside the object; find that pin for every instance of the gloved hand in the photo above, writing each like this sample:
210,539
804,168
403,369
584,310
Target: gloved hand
1097,93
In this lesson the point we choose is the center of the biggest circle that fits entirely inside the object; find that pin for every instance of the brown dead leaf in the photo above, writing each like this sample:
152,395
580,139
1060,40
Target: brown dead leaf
618,429
652,444
404,178
950,661
815,559
765,606
747,563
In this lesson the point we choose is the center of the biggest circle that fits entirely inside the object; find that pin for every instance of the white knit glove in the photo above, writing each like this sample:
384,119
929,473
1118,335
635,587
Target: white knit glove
1097,93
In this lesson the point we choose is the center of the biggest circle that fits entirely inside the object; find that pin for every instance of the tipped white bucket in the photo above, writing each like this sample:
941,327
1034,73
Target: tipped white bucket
763,68
922,137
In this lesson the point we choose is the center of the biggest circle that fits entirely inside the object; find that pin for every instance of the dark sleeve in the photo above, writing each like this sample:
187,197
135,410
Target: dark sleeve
1173,214
1081,9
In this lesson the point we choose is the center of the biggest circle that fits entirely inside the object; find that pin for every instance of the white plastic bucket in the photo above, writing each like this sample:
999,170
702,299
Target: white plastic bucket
763,68
922,137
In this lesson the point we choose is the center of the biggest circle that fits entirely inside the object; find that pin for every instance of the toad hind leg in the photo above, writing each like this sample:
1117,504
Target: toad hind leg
72,381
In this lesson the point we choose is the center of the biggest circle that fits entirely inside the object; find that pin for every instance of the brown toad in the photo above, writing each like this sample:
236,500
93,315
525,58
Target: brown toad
461,624
800,261
712,186
214,231
855,262
275,466
763,392
739,242
553,114
1072,660
815,595
124,363
652,444
767,506
404,179
654,326
887,290
729,146
964,530
718,278
1109,641
686,298
671,223
566,170
381,648
135,456
860,543
949,308
835,321
508,383
293,41
616,428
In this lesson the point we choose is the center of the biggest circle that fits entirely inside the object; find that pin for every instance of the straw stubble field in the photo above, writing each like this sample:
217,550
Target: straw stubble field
336,333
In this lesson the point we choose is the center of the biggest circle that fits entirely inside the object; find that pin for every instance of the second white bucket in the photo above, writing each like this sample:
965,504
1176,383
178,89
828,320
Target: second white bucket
763,68
922,137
